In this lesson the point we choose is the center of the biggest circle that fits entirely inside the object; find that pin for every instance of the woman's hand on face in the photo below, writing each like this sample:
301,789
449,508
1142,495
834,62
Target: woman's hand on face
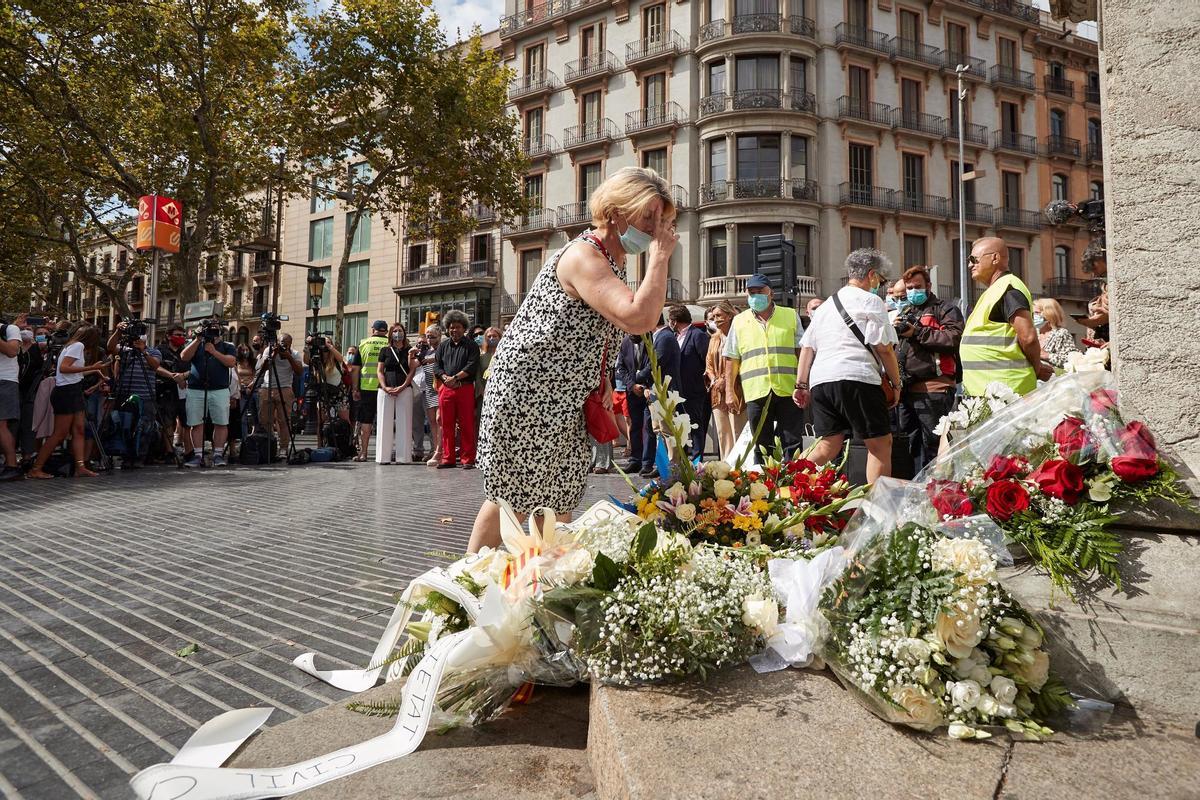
665,237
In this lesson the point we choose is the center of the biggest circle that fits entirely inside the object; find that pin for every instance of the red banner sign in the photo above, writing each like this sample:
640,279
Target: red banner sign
159,222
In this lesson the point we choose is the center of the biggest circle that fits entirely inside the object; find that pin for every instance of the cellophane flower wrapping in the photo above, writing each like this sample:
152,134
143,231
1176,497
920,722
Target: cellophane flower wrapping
923,633
1053,469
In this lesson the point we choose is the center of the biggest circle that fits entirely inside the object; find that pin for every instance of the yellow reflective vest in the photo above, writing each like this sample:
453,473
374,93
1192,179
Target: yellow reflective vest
768,353
368,355
989,351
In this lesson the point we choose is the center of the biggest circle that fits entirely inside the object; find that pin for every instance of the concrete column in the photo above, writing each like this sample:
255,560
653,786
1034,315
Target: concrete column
731,250
785,156
731,156
1151,140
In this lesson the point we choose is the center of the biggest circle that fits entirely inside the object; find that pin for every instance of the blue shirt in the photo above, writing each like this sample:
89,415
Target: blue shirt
204,365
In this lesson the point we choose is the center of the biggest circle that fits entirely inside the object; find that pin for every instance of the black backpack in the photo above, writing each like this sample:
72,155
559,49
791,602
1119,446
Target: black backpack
258,449
340,436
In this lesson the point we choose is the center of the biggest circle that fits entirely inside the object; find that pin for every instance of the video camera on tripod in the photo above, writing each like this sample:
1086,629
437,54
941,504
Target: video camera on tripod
269,326
135,329
318,343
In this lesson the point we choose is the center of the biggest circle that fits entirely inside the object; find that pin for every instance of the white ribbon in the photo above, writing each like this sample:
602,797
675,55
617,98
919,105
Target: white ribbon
798,585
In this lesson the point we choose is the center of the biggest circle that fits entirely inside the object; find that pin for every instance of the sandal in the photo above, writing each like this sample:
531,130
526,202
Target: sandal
82,471
360,459
39,475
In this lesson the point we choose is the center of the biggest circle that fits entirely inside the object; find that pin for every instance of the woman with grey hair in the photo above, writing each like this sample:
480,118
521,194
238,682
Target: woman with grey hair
433,337
534,446
456,367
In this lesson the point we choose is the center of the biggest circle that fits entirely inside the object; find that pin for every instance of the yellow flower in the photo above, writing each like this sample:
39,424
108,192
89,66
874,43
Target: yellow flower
785,492
760,507
747,523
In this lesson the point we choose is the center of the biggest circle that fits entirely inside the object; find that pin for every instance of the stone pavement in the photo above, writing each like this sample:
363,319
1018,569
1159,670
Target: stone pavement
103,581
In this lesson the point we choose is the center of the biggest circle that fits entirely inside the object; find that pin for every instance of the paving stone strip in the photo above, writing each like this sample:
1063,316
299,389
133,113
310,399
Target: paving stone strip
103,581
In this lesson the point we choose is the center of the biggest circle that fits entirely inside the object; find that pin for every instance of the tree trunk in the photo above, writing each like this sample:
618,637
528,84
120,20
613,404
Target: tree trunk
339,279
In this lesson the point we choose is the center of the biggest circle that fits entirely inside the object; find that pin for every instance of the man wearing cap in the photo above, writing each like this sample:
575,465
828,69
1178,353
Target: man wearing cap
763,348
366,383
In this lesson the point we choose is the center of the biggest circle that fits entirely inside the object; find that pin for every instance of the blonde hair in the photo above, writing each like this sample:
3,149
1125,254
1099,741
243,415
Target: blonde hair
1051,310
628,193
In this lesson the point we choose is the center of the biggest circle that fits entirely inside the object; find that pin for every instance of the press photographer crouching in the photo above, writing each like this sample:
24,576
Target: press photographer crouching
134,393
210,359
930,331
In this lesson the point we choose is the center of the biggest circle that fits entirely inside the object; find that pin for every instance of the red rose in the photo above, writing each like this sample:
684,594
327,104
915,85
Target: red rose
1071,436
1136,440
1005,499
1132,469
1003,467
1061,479
950,499
1103,400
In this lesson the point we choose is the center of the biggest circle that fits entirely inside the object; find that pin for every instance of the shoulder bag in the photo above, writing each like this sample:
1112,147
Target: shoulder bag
890,392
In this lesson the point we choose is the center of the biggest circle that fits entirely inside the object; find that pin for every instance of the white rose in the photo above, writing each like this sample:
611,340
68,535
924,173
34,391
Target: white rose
486,566
980,675
961,731
965,694
685,512
724,489
1099,491
922,709
1004,689
917,650
1031,637
570,569
671,541
968,557
718,469
958,631
761,615
1035,674
964,667
759,491
677,493
1006,710
988,705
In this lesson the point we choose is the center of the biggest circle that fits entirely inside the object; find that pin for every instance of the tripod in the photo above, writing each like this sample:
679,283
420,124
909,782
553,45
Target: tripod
129,358
269,363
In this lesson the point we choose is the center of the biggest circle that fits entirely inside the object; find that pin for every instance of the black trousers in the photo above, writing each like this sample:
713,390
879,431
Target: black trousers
919,415
638,425
699,409
785,420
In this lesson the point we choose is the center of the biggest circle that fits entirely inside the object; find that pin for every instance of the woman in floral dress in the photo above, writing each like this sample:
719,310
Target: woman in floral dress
534,449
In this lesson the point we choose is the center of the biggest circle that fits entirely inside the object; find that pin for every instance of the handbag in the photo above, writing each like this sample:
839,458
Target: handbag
601,425
890,392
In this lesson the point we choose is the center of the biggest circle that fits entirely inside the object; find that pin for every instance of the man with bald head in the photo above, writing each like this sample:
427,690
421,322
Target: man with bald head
999,343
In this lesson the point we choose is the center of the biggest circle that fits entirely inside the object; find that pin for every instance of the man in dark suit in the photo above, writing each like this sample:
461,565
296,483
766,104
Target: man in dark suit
693,351
630,362
666,349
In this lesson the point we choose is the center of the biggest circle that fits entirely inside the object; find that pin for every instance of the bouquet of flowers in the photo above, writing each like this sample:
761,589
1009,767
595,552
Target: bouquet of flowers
924,634
974,410
1050,469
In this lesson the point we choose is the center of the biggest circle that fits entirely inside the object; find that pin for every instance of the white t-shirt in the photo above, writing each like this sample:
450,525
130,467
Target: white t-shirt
10,370
75,351
840,356
282,368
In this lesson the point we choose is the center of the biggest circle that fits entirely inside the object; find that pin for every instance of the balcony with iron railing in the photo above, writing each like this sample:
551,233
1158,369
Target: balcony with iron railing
596,65
679,196
928,205
1015,142
864,111
1073,288
972,133
676,291
976,213
537,147
756,23
482,213
536,221
1092,95
534,84
976,67
1062,146
713,104
463,271
755,99
920,122
856,194
654,49
589,134
509,303
760,189
1095,152
573,215
711,32
803,26
645,120
1008,8
261,265
536,16
1017,218
847,35
915,52
726,287
1061,86
1012,78
211,276
803,101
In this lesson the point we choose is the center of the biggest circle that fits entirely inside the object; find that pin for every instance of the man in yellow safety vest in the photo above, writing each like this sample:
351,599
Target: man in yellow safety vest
762,348
366,383
999,343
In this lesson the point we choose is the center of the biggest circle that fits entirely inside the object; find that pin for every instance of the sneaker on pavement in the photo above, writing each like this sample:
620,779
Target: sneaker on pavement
218,460
10,474
195,461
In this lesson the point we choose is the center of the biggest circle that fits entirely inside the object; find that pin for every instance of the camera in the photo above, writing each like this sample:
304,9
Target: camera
210,331
318,343
269,326
908,318
136,329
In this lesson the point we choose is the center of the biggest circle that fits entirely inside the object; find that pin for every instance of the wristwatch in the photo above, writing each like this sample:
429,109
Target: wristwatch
801,385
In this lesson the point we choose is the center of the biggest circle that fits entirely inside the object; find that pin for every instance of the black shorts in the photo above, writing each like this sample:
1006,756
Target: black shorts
366,408
67,399
850,407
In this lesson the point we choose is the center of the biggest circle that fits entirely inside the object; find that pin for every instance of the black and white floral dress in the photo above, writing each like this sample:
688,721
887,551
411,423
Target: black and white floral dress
534,449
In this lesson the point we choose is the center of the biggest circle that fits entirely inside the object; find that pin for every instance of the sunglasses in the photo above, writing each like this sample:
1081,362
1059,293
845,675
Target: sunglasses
973,259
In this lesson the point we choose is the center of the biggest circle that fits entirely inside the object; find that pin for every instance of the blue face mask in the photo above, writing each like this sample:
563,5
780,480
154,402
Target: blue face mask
917,296
1038,320
40,339
479,339
634,241
892,303
759,302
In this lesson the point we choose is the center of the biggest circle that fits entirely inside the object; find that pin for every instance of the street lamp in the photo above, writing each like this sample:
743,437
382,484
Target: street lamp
316,288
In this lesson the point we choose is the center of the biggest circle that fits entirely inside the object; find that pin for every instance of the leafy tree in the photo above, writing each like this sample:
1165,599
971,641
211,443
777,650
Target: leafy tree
428,119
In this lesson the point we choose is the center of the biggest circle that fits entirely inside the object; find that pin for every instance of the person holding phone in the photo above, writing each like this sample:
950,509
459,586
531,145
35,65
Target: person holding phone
67,399
1057,342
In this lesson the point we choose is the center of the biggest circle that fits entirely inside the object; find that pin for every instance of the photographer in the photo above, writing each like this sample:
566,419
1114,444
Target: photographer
134,376
930,331
276,395
210,360
325,371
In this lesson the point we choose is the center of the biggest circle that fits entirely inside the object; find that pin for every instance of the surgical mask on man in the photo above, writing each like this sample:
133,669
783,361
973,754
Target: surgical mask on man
893,303
917,296
479,340
1038,320
759,302
40,338
635,241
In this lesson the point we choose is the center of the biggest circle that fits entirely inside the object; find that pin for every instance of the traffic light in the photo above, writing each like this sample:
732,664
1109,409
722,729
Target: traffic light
775,260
